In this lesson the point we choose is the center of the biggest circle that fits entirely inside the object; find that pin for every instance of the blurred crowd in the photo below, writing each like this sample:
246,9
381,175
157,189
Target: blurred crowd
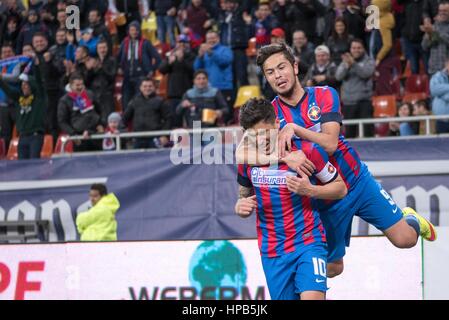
145,65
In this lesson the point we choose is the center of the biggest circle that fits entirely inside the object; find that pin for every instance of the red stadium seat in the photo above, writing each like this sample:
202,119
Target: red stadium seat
381,129
413,97
68,146
47,148
384,106
2,148
417,83
13,149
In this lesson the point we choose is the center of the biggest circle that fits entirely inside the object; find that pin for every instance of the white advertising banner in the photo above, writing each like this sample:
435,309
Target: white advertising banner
374,269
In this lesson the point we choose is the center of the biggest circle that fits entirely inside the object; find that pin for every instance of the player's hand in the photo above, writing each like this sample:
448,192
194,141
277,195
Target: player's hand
285,139
298,161
246,206
300,185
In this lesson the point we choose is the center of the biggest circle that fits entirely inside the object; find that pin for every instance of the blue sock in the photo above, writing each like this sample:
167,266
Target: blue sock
414,223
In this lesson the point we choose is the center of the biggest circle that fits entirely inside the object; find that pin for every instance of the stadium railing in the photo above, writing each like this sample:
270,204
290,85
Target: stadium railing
176,133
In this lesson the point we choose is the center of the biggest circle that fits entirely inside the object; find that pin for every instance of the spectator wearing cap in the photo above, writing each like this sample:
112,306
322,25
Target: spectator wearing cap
148,112
32,26
115,126
356,72
234,33
101,79
178,65
217,60
277,36
79,114
138,59
322,72
30,102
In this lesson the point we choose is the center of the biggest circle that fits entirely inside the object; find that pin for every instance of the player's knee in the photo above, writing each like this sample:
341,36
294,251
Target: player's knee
405,242
334,269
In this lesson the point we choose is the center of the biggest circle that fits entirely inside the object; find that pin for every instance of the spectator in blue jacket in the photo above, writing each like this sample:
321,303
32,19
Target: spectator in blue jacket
439,89
138,59
217,59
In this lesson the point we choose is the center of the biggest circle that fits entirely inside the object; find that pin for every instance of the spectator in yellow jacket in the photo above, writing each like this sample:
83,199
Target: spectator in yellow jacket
99,223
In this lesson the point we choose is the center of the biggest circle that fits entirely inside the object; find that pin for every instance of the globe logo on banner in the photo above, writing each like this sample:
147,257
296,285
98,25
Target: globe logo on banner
215,265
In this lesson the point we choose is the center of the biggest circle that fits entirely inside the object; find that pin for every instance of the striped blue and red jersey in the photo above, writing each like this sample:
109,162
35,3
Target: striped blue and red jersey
286,220
318,106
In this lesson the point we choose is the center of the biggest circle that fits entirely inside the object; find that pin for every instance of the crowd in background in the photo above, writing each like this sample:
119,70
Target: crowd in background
57,81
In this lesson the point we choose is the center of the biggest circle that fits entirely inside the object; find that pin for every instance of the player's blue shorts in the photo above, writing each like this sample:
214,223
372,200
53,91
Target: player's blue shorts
369,201
293,273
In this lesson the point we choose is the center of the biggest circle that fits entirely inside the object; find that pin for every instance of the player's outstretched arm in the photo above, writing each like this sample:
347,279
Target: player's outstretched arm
246,203
331,191
327,139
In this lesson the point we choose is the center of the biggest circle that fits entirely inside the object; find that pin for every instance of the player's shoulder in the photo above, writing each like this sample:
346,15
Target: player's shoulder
324,89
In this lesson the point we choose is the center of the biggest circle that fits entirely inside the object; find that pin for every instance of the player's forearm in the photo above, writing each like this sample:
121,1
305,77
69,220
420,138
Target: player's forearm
325,140
333,191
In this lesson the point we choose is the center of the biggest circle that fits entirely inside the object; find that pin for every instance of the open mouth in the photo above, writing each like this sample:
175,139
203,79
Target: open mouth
282,84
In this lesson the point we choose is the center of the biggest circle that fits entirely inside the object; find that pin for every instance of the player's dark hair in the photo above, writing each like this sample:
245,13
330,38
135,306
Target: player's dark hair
100,187
267,51
256,110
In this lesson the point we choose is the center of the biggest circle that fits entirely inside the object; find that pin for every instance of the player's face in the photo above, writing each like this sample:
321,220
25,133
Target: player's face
266,136
94,197
280,74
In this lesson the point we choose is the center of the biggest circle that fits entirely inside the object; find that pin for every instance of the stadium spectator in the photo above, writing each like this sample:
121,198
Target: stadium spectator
322,72
277,36
148,112
198,20
10,75
99,223
78,114
32,26
11,32
100,30
165,14
58,50
412,33
302,48
138,59
339,41
48,15
356,72
61,17
202,96
234,33
430,10
130,9
381,49
263,23
300,15
101,79
217,60
422,108
115,126
436,38
52,73
179,68
30,105
83,63
350,12
404,128
439,89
